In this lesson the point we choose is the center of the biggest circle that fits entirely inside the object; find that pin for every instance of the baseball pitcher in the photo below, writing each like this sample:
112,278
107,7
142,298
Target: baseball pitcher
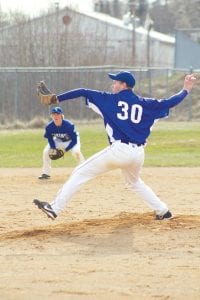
128,119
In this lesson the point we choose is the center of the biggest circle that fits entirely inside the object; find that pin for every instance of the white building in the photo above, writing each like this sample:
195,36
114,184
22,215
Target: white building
72,38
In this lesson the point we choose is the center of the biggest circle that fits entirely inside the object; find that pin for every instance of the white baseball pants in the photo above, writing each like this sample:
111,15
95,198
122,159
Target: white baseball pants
76,152
129,158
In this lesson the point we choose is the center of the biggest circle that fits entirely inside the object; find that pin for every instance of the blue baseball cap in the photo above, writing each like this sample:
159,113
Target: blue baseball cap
123,76
57,110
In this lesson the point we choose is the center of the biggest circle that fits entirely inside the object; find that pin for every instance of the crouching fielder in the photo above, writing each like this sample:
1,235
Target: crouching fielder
61,134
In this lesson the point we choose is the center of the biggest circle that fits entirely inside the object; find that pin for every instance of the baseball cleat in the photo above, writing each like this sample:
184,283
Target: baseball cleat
46,208
166,216
44,176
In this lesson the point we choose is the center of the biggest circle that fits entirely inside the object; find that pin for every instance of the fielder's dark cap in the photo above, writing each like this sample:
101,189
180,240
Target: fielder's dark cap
124,76
57,110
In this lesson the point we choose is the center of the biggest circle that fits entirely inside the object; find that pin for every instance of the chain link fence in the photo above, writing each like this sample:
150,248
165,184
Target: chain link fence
18,99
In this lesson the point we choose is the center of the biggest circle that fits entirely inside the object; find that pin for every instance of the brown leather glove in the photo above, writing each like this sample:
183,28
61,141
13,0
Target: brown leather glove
45,95
56,153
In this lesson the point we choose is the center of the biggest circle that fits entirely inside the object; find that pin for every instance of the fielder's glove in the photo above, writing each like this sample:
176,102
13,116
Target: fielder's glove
45,95
55,153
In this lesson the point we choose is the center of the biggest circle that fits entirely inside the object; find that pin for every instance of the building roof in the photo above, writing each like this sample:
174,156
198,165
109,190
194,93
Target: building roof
119,23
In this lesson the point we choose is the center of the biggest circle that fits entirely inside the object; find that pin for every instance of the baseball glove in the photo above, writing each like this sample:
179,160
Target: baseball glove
55,153
45,95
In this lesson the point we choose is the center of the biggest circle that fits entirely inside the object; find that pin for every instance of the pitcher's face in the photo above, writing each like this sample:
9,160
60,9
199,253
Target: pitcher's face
118,86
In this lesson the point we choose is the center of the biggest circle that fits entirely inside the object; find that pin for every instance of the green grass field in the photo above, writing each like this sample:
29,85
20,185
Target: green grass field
170,144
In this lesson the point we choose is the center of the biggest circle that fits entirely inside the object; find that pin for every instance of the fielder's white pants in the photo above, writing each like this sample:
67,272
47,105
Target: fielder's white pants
76,152
119,155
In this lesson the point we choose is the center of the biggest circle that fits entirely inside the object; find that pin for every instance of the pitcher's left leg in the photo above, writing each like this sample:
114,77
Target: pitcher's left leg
144,191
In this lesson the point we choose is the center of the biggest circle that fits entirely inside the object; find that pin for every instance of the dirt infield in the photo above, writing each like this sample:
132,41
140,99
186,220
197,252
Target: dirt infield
106,245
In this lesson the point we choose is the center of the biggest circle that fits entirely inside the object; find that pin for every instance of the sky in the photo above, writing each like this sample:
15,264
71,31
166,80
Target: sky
35,7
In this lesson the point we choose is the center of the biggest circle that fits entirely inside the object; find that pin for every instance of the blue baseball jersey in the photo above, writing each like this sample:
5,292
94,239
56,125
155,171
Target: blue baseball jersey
65,132
127,116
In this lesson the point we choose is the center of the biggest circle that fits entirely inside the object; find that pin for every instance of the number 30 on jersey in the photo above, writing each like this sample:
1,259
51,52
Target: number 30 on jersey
136,112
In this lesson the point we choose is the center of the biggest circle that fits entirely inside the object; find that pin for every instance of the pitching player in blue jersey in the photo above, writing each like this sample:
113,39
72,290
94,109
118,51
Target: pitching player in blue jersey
61,134
128,119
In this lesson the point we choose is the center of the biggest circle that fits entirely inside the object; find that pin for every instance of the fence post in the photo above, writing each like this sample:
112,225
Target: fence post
16,96
149,77
190,100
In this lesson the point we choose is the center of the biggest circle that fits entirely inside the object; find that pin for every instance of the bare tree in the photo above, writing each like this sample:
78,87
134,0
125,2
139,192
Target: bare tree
172,14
